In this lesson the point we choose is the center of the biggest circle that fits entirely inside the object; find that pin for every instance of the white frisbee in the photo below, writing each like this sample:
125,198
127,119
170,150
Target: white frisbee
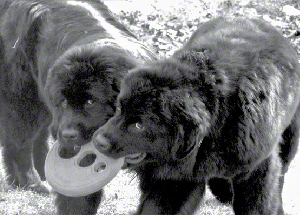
70,177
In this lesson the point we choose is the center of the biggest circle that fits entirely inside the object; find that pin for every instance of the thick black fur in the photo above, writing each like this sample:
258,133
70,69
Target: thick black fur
52,71
225,108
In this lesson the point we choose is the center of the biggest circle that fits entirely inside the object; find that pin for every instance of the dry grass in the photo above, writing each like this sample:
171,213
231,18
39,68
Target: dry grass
121,195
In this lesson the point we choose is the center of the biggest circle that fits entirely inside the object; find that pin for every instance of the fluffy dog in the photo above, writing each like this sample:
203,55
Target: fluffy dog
60,63
224,106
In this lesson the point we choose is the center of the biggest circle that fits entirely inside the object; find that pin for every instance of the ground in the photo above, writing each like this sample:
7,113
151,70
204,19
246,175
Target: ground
165,26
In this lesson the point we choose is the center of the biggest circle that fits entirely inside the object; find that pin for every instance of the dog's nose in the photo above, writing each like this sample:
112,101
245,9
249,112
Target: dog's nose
69,134
101,143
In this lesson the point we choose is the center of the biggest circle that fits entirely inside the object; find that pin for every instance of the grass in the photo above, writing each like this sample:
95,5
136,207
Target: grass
166,25
121,197
166,19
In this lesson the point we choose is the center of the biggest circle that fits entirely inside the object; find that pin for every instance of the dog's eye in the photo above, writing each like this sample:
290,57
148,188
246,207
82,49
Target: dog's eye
89,102
64,103
139,126
136,127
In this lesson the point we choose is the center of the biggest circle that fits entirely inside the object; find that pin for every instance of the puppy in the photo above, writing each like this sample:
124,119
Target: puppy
61,63
224,107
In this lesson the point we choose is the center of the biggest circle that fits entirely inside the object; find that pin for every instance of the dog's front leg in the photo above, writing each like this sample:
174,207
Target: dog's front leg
166,197
86,205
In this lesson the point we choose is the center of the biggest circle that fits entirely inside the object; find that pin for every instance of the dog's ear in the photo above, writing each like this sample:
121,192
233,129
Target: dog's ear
186,142
190,119
199,58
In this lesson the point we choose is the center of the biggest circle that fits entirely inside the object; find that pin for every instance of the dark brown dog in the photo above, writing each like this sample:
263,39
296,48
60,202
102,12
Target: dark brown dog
60,61
226,105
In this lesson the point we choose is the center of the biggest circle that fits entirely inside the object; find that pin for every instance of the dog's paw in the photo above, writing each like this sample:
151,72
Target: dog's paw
42,187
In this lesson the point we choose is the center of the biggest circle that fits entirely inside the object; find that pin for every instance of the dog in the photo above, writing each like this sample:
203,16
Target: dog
224,107
61,63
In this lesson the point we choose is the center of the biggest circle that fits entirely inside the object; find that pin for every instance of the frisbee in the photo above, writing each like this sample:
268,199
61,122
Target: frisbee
82,172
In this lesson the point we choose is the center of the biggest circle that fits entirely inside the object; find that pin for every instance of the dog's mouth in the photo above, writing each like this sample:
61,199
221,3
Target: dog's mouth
135,158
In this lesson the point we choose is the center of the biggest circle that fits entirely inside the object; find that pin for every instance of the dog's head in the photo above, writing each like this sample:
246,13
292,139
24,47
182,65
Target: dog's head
82,88
159,114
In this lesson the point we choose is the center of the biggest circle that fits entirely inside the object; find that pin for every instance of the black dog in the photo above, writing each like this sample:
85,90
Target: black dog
60,61
226,105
